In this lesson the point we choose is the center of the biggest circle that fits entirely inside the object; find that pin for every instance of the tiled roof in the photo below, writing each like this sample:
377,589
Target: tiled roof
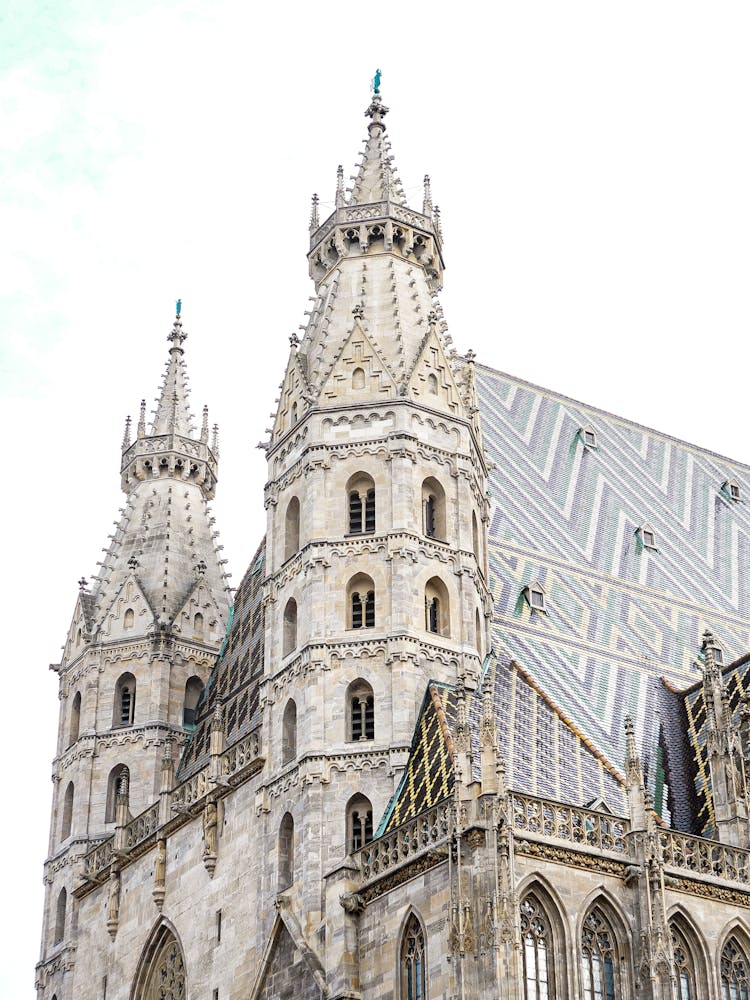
236,675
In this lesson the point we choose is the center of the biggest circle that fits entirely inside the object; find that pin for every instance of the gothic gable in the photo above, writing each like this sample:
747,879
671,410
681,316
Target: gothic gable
292,401
359,372
130,614
288,968
79,631
200,617
432,380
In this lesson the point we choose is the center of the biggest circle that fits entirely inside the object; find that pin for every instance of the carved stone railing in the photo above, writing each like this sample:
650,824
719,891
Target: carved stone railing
141,828
190,791
704,857
405,842
585,827
99,859
243,753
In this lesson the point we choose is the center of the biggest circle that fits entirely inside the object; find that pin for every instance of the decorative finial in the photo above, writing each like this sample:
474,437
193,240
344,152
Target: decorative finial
82,583
294,341
376,82
314,218
340,197
436,221
126,435
358,311
204,426
215,440
178,309
133,563
427,200
200,568
176,335
142,420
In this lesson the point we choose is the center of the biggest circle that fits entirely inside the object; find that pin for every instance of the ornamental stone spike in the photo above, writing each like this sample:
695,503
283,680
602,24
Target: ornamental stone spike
314,217
126,435
204,426
427,199
340,194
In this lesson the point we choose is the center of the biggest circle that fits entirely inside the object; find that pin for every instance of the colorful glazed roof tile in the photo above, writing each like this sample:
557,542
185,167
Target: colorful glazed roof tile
236,675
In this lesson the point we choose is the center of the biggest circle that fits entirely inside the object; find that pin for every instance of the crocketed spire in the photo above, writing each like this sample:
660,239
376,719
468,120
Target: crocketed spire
377,179
173,414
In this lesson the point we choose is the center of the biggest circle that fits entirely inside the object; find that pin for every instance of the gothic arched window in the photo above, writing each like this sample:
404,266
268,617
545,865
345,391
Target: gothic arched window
161,970
599,971
358,823
291,529
684,988
75,719
360,711
361,601
290,627
358,378
289,732
113,783
62,904
67,816
437,607
537,952
413,972
129,618
475,537
735,972
433,509
124,712
193,692
286,852
360,491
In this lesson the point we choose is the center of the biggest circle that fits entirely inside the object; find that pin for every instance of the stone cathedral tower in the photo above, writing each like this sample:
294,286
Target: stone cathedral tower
142,641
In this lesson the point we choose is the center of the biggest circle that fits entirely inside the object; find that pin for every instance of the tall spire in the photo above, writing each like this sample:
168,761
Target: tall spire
375,180
173,414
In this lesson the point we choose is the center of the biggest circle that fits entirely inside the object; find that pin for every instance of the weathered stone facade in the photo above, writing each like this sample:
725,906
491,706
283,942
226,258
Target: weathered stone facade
228,845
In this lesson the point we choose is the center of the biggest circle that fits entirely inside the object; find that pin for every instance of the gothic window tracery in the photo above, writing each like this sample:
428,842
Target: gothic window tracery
735,972
162,974
361,504
536,944
684,988
413,972
599,971
361,712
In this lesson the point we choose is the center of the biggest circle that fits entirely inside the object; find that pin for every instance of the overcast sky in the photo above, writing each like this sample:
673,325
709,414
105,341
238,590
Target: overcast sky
592,164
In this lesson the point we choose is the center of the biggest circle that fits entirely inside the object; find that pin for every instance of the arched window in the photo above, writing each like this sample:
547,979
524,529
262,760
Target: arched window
78,637
124,712
437,607
478,631
67,816
358,378
735,972
129,618
433,509
62,904
360,491
358,823
295,412
537,951
683,966
113,783
286,852
360,711
432,384
290,627
599,963
413,972
75,719
198,622
193,692
161,970
475,537
291,529
289,732
361,602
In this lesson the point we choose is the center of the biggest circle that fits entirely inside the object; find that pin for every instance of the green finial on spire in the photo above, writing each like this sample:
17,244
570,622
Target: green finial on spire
179,306
376,82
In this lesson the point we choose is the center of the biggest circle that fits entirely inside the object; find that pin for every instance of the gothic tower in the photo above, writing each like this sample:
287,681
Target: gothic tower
141,644
376,531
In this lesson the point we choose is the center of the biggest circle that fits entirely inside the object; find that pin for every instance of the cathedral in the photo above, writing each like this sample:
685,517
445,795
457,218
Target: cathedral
475,725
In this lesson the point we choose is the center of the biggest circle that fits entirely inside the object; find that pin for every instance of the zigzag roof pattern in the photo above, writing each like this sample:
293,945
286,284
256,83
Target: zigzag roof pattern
620,616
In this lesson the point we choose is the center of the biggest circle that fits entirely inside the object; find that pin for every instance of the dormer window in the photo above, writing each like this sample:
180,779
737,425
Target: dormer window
732,489
536,597
709,640
648,537
588,436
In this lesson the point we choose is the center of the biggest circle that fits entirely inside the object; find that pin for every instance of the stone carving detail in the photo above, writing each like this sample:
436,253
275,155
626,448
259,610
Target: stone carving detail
113,902
210,836
167,981
563,822
160,873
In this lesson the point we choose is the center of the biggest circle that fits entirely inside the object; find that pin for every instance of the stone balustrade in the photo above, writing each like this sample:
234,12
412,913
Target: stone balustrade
704,857
405,842
586,827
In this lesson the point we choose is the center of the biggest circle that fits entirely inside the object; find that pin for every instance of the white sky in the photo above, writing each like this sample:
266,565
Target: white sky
591,161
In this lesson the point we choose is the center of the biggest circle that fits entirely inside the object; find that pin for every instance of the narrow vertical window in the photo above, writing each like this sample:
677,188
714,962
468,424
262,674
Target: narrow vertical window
360,491
286,852
360,711
291,529
413,973
290,627
735,973
683,966
62,903
289,732
433,509
124,708
598,959
437,607
536,951
370,609
361,602
370,510
355,513
75,719
358,823
356,610
67,816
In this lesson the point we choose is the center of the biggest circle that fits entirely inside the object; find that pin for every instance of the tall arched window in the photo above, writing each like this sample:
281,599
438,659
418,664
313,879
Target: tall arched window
735,972
289,732
291,529
290,627
478,631
437,607
599,967
683,966
358,823
113,783
124,709
475,537
537,951
361,602
360,711
360,492
129,618
67,815
161,970
358,378
193,692
413,972
286,852
433,509
62,903
75,719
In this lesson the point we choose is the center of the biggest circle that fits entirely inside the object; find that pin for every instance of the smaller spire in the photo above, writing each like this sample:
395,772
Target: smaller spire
340,195
126,435
204,425
215,440
314,217
142,420
437,223
427,200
